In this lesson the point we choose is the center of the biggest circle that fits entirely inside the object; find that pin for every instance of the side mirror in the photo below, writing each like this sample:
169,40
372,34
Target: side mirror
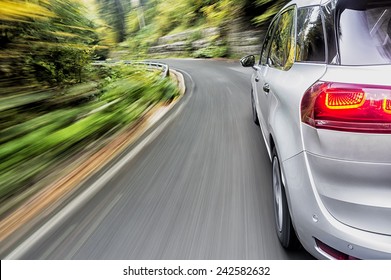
248,61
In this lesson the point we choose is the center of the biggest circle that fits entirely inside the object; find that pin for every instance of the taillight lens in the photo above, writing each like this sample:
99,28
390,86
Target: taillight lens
347,107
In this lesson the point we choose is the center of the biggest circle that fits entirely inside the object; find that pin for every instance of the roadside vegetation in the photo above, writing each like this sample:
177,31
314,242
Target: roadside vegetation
42,128
54,103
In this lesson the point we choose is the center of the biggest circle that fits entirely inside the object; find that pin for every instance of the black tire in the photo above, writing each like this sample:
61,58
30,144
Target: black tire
283,223
255,115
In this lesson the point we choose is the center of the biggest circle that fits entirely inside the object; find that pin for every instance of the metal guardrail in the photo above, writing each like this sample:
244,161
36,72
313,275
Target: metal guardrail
150,64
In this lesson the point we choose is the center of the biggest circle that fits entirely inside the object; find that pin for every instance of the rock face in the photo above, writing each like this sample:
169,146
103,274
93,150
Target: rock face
243,38
247,42
239,37
172,47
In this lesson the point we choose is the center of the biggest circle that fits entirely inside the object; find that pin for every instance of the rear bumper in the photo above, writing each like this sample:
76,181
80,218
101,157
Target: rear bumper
314,218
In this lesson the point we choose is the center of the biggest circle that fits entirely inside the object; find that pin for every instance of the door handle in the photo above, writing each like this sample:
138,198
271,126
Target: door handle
257,79
266,88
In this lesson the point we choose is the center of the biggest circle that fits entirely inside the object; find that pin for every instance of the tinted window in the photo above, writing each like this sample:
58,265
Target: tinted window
266,43
364,34
310,43
282,45
328,12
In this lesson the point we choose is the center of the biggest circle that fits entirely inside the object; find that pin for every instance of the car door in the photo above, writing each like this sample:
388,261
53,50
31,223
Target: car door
276,59
259,74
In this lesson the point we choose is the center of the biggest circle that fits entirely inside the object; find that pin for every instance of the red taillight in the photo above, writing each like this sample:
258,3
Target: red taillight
387,106
337,99
347,107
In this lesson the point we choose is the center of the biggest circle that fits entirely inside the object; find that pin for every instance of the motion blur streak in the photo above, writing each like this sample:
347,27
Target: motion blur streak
201,190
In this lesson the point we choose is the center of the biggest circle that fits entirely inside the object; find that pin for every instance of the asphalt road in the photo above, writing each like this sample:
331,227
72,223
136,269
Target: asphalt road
200,190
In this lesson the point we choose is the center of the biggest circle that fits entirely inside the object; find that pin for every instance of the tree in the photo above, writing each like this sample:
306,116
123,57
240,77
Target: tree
114,12
49,41
269,9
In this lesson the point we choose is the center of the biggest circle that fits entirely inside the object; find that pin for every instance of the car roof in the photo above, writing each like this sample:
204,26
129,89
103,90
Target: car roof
304,3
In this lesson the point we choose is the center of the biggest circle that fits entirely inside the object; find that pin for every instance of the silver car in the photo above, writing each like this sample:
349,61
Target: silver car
321,93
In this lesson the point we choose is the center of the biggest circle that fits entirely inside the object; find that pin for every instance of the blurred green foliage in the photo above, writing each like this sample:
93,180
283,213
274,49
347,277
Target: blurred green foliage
53,103
114,13
47,42
40,133
269,8
211,51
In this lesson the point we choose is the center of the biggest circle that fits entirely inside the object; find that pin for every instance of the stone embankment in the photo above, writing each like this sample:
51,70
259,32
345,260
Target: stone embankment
239,38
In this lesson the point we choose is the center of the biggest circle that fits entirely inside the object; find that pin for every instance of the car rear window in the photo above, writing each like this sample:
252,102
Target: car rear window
363,32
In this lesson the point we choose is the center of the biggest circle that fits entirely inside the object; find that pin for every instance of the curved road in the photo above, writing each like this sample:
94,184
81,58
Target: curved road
200,190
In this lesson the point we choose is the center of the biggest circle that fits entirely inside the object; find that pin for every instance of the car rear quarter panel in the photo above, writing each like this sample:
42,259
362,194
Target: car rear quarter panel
352,171
286,90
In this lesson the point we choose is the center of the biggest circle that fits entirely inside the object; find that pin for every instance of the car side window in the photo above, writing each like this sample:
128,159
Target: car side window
266,43
310,46
282,48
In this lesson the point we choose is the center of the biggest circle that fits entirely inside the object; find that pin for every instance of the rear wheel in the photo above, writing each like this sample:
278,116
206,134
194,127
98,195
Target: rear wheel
255,115
285,231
